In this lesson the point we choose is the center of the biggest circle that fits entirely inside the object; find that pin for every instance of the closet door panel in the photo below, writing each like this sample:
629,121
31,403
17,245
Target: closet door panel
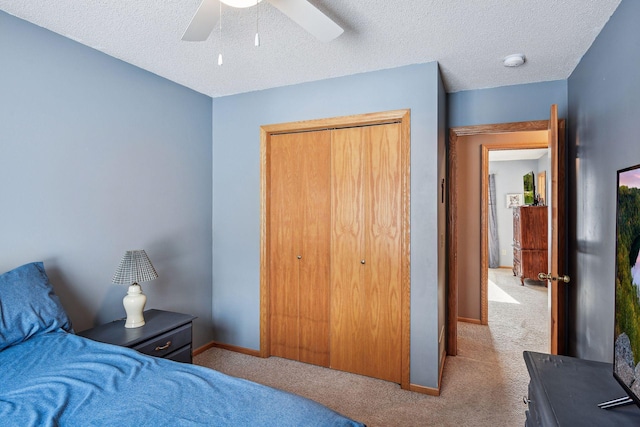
347,250
284,226
383,274
315,196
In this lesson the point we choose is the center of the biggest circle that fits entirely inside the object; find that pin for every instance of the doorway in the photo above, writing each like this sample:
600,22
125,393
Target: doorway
462,267
517,300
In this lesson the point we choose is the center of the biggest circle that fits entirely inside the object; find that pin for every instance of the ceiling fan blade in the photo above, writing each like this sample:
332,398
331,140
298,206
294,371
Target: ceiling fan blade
203,22
308,17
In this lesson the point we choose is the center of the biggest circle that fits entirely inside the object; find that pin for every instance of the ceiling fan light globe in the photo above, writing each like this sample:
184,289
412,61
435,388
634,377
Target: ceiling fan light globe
301,12
240,3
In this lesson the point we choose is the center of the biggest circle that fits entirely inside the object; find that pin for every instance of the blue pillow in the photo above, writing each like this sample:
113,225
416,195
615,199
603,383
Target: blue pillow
28,305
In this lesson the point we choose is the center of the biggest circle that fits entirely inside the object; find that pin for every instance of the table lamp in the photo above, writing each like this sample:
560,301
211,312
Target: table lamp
135,267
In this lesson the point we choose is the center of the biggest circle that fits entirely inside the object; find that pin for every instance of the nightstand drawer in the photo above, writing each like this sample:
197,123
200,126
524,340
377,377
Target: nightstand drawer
183,355
166,343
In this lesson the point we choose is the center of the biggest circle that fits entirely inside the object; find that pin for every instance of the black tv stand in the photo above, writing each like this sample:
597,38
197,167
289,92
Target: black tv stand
565,391
621,401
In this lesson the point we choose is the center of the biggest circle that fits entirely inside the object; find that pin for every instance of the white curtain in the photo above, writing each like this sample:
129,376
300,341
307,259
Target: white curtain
494,247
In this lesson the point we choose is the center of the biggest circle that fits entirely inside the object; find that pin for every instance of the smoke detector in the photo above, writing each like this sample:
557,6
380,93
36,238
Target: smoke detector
515,60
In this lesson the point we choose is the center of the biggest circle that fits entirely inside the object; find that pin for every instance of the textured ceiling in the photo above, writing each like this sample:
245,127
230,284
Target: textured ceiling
469,39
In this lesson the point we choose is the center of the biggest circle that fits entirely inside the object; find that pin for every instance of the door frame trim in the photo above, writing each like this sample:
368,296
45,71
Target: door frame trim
452,217
266,131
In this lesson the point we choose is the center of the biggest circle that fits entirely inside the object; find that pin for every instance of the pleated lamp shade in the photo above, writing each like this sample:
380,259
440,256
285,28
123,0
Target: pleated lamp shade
135,268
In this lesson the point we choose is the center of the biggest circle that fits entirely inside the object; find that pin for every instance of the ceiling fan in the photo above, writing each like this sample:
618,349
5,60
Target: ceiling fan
300,11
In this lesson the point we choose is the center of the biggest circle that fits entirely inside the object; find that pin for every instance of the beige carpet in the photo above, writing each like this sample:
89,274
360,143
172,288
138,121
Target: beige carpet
482,386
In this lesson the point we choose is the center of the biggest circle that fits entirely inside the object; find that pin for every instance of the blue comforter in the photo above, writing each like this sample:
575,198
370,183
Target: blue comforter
60,379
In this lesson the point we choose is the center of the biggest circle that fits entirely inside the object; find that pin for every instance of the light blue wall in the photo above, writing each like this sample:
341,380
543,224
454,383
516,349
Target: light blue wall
544,166
506,104
603,137
97,157
236,189
509,180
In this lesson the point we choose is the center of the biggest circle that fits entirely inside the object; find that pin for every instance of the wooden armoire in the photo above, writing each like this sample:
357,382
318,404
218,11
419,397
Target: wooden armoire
530,255
335,248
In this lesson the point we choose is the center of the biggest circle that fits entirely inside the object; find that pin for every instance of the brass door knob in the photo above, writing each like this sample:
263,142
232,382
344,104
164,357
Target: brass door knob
548,276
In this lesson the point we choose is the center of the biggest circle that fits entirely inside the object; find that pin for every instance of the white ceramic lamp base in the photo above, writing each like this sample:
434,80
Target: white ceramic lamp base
134,303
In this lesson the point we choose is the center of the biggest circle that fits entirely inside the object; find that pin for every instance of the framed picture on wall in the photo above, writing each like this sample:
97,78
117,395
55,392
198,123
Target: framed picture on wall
529,188
542,188
514,200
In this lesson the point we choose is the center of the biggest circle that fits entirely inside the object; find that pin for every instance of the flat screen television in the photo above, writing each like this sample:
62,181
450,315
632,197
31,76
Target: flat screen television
626,354
529,188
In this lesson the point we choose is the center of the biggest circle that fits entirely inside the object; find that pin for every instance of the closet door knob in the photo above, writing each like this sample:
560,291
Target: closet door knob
362,262
299,256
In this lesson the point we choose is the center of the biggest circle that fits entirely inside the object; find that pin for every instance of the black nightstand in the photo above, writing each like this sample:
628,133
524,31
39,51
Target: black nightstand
565,391
165,334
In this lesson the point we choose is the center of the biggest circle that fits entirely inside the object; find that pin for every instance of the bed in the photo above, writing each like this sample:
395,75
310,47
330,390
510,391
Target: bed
52,377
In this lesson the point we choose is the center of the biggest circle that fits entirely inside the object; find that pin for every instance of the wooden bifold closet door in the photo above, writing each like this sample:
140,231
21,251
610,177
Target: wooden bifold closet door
335,248
365,324
300,192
